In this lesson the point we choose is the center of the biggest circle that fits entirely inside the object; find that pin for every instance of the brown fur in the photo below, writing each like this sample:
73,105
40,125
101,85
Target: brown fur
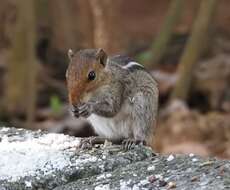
77,77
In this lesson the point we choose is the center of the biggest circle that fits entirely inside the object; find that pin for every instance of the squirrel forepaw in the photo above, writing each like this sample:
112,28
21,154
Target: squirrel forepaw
81,111
128,144
84,110
75,111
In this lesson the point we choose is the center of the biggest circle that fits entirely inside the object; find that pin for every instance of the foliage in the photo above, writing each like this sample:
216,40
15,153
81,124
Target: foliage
55,104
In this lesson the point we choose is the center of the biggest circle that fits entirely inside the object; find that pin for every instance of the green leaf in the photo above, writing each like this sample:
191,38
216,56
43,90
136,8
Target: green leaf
55,104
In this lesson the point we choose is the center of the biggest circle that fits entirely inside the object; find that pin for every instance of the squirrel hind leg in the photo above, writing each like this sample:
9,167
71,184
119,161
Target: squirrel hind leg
128,144
89,142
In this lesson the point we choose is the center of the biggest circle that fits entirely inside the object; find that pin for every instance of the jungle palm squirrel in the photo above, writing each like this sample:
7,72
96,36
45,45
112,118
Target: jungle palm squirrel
116,95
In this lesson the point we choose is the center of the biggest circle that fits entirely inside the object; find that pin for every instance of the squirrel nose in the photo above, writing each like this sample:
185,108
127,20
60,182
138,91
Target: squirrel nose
73,100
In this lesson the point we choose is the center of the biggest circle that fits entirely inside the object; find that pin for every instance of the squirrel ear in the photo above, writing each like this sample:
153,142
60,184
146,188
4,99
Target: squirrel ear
101,56
70,54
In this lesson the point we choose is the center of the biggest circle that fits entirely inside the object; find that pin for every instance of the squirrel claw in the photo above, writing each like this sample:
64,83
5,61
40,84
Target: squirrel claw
82,110
76,114
128,144
75,111
89,142
86,143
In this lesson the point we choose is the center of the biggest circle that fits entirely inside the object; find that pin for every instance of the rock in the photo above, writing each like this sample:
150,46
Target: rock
38,160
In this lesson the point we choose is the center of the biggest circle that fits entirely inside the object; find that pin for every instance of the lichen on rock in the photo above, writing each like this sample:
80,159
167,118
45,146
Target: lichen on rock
36,159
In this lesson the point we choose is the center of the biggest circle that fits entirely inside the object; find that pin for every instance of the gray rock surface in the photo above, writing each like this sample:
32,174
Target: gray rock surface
38,160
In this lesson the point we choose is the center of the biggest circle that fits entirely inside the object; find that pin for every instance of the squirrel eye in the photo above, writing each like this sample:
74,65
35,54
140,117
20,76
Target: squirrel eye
91,75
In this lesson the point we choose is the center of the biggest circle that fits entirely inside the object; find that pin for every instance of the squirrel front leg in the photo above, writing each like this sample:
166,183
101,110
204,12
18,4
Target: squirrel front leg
106,103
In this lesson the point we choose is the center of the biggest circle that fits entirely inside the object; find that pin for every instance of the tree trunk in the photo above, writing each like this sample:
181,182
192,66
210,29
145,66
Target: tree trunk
86,25
194,48
20,87
161,41
62,19
107,32
32,64
2,24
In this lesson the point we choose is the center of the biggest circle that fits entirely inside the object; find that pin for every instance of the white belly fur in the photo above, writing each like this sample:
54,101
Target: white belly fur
114,128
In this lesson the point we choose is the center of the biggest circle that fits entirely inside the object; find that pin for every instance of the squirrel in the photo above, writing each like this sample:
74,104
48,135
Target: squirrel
115,94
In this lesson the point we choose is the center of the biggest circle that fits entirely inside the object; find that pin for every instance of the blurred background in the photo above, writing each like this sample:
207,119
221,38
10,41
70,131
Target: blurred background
184,44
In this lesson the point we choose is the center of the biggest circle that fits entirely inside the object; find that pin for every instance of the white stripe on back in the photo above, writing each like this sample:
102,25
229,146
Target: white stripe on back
130,64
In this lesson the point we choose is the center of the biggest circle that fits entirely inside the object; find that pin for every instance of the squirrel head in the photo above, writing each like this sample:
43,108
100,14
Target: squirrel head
85,74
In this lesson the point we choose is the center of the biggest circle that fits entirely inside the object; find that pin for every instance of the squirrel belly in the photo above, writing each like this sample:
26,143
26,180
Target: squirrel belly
114,128
108,128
